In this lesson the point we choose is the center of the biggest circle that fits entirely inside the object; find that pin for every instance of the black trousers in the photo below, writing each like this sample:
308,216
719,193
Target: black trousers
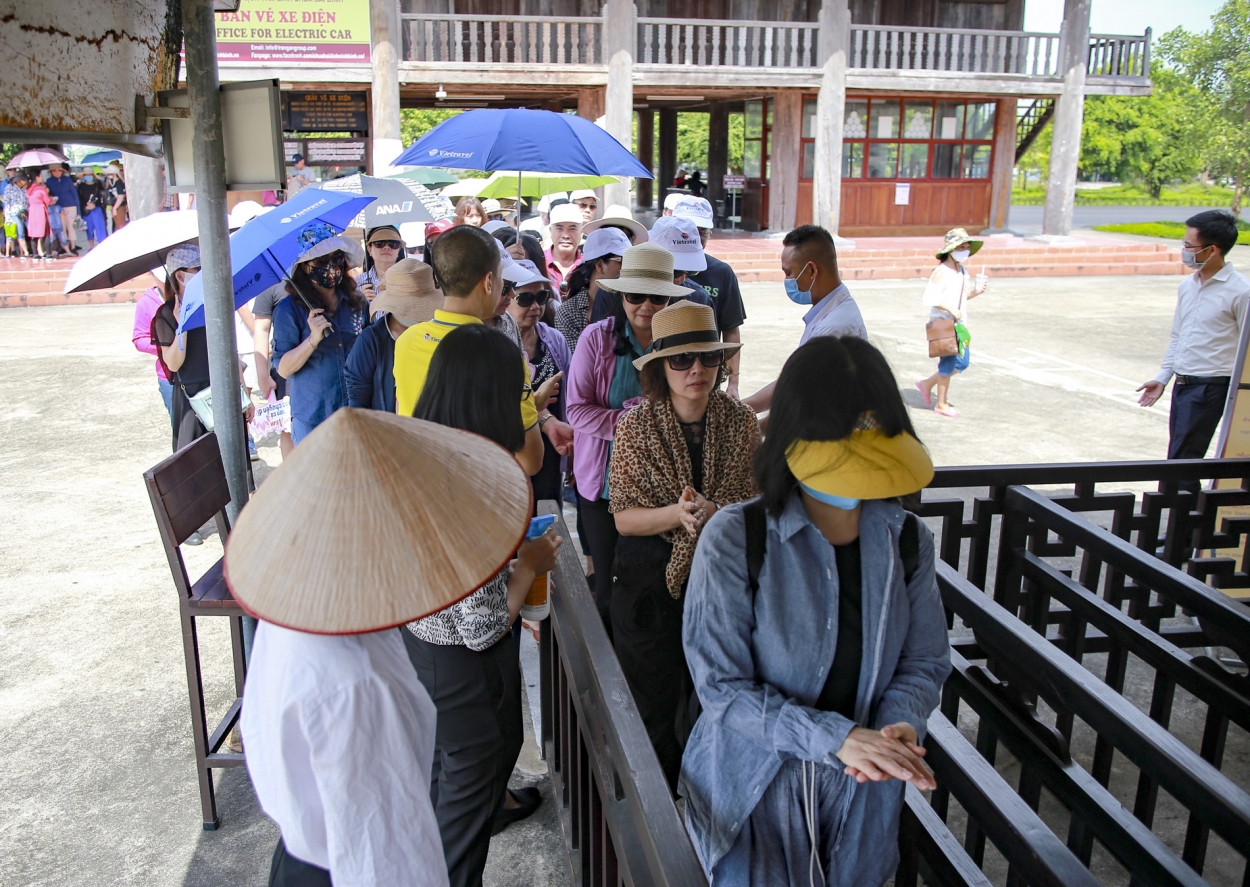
646,633
1195,416
476,743
186,424
600,534
287,871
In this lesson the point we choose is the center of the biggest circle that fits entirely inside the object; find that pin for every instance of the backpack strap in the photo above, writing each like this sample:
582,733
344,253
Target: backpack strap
908,546
756,520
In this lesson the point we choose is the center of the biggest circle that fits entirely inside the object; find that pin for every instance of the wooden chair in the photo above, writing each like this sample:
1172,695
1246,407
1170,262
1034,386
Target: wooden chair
186,490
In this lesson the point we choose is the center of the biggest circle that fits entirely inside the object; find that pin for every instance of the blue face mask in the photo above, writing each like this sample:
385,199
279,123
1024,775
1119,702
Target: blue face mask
798,296
843,502
88,178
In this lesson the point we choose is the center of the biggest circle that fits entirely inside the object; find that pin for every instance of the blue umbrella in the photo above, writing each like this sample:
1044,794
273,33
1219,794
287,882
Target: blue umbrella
263,249
101,157
492,139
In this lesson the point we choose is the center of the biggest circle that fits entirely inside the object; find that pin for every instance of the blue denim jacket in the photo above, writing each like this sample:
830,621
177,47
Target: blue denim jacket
319,387
759,663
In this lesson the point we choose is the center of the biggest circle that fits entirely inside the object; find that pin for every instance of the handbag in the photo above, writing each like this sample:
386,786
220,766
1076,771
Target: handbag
943,342
202,405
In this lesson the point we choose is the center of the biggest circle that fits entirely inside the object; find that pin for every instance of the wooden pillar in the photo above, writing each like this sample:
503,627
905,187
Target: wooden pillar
590,102
646,156
386,46
783,184
668,155
145,184
619,96
1004,163
833,45
717,152
1065,145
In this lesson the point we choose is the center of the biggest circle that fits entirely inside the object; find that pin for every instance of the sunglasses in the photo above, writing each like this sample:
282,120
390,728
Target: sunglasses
683,362
639,298
387,244
335,258
525,300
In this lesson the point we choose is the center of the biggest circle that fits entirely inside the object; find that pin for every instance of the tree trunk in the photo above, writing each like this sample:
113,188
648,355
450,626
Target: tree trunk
1236,207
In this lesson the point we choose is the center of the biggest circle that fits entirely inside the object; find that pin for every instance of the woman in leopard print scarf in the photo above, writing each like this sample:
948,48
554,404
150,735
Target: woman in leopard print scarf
680,456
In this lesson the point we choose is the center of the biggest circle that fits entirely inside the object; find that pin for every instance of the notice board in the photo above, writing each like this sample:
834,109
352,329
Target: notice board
325,112
295,31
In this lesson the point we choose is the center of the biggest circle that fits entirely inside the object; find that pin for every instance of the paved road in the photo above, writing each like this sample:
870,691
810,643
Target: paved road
1028,219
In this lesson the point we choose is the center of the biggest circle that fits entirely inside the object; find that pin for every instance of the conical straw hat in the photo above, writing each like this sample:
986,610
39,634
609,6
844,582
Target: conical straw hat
375,520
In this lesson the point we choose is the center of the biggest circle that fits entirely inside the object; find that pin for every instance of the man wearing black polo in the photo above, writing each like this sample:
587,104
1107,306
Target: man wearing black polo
1206,329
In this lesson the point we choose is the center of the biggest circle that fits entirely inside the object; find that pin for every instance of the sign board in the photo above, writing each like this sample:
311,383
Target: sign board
295,31
335,152
325,112
251,122
735,183
902,193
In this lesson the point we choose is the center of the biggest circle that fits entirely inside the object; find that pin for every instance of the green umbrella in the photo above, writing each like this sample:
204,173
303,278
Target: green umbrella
536,184
429,176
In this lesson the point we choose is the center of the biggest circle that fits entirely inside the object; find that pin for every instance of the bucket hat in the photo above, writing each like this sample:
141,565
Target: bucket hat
410,293
186,255
618,216
682,328
491,205
955,238
376,520
865,465
681,238
646,268
319,239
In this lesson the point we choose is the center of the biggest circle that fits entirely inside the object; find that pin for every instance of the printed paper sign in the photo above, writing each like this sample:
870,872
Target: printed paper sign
271,418
885,127
949,128
333,31
902,193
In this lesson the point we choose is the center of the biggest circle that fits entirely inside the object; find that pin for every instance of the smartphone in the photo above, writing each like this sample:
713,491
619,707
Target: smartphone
540,525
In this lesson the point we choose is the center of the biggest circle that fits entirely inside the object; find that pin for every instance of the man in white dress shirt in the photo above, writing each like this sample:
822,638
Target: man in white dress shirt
330,554
1206,329
809,261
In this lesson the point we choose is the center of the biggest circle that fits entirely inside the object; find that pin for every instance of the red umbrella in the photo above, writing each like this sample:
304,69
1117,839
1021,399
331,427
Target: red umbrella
37,157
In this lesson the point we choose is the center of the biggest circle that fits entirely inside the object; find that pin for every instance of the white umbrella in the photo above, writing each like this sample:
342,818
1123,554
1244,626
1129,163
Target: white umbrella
134,249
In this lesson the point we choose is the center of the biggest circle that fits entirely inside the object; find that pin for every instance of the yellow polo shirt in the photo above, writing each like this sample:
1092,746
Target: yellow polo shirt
414,350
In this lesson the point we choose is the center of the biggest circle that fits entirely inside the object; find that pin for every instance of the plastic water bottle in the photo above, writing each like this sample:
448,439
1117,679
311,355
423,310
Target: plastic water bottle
536,607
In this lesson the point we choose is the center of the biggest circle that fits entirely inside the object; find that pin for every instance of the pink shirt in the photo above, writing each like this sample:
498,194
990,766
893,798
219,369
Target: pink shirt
145,310
554,274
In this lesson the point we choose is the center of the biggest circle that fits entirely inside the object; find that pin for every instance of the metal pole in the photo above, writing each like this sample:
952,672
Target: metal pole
200,41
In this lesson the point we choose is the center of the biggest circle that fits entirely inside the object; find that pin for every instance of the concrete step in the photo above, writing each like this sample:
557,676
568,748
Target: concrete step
903,271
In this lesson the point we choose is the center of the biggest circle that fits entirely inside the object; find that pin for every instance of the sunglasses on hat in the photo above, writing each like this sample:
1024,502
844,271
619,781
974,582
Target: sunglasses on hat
639,298
683,362
334,258
386,244
525,300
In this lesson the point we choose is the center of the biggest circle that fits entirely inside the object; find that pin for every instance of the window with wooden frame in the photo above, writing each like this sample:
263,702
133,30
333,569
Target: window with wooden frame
895,138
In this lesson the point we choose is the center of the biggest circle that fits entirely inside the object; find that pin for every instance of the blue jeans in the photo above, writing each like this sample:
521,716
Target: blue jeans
955,363
167,394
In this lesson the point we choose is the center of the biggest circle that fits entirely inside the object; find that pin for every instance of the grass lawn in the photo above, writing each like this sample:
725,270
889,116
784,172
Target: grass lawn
1132,195
1170,230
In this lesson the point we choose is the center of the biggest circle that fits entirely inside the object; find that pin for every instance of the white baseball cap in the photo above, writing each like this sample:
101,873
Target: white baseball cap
491,205
696,209
511,269
605,242
681,238
567,212
672,200
528,273
582,194
544,203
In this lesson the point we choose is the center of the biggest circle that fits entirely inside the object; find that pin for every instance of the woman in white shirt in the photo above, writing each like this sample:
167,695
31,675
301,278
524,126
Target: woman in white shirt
946,296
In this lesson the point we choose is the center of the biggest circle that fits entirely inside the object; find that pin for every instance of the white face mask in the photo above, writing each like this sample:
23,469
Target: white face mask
961,255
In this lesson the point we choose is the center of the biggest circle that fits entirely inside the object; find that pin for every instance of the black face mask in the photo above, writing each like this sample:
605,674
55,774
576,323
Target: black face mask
328,276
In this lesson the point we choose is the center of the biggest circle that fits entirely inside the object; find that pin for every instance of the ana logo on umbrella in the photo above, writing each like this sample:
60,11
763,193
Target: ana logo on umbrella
392,208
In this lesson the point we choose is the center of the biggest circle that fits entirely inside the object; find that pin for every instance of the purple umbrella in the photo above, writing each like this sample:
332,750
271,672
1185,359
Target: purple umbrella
37,157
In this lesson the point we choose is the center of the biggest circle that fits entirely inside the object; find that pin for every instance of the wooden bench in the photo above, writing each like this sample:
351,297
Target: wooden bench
186,490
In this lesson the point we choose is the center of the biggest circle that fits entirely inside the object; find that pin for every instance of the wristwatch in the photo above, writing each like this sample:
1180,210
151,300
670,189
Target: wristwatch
543,418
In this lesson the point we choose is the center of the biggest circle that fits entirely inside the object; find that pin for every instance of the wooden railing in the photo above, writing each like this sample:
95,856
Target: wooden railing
1111,55
950,49
502,39
739,44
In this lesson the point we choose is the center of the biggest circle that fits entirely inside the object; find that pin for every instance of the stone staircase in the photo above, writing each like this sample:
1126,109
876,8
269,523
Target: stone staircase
33,283
907,258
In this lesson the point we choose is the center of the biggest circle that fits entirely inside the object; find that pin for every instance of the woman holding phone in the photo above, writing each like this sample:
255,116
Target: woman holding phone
466,655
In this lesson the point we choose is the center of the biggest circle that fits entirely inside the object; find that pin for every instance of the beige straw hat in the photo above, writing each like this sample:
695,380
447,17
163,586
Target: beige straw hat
646,268
682,328
375,520
618,216
955,238
410,293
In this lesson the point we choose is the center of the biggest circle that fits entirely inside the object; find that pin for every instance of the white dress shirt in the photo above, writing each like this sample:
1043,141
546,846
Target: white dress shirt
834,315
1207,325
339,735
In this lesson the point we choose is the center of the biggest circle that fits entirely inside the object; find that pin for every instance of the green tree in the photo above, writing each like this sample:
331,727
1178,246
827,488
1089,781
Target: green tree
1218,64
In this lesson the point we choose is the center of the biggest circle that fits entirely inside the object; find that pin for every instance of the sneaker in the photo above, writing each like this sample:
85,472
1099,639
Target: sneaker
194,539
251,449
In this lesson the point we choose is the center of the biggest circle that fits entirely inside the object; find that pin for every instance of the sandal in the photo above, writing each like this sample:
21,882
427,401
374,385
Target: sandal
949,412
924,392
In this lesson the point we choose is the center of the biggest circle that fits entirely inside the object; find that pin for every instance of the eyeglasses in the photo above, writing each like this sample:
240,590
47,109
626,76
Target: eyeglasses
387,244
525,300
639,298
335,258
683,362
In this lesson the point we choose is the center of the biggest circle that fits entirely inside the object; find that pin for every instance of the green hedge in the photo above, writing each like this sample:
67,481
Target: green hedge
1132,195
1170,230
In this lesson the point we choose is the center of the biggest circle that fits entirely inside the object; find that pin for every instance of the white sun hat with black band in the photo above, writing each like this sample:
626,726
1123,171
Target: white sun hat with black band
647,269
685,327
